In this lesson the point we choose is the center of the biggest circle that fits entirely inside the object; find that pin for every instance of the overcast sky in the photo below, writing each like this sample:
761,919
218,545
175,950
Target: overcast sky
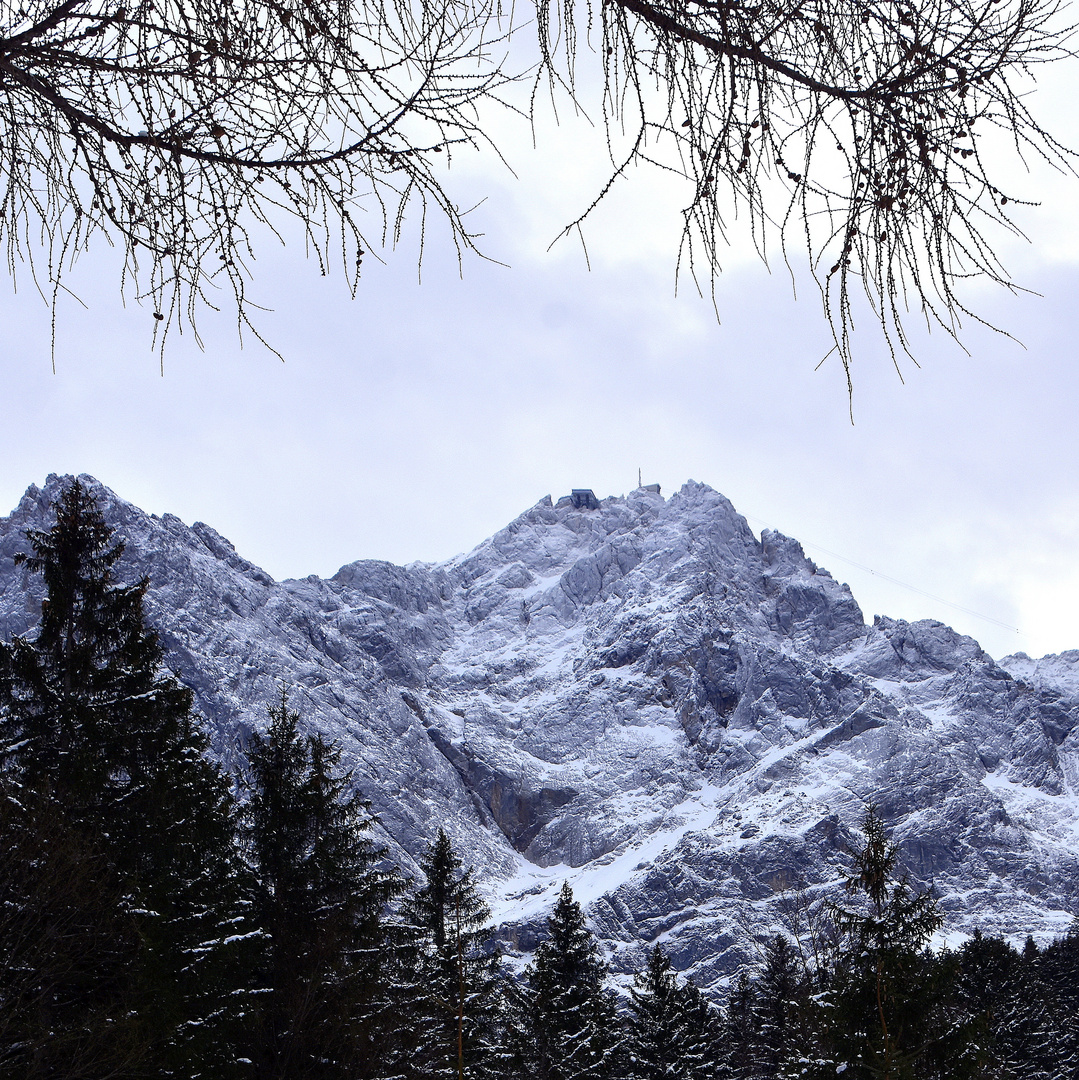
418,419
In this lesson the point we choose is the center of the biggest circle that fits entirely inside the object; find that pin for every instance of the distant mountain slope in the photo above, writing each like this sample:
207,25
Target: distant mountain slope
642,698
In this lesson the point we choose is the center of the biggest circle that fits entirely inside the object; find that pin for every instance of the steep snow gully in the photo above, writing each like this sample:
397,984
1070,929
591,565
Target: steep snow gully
641,698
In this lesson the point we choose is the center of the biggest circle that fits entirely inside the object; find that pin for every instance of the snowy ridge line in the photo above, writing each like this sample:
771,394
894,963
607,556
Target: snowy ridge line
895,581
644,699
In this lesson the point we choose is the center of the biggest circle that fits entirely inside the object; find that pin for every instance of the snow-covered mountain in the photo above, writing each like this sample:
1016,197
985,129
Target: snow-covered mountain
639,697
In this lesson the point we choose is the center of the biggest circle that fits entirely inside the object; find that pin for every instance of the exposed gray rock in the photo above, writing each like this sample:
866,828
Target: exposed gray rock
685,722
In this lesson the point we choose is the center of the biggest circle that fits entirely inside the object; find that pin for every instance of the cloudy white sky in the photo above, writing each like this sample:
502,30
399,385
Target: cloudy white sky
416,420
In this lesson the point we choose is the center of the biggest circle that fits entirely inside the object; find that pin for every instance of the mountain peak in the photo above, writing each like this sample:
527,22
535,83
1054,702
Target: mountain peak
639,697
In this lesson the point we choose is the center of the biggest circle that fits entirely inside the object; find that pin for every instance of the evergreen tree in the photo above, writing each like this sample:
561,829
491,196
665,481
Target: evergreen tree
672,1031
457,998
780,987
570,1027
772,1025
71,689
1055,1026
91,729
66,950
1026,1005
993,978
738,1057
320,904
891,1012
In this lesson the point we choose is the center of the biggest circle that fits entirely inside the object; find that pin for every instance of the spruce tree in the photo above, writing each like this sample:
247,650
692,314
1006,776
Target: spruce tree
992,990
67,949
1057,1020
71,689
739,1031
672,1031
890,1014
320,903
779,1035
1026,1007
456,976
570,1025
91,728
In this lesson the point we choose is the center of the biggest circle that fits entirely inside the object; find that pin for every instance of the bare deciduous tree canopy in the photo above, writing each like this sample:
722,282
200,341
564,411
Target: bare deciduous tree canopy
864,132
854,129
175,127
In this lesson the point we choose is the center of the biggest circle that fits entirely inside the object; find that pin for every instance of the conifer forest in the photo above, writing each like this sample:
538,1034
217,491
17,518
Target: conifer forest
163,917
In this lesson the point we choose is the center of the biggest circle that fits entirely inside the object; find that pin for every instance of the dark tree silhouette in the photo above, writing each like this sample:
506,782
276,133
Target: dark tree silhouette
96,737
455,975
319,903
889,1011
672,1033
67,949
568,1021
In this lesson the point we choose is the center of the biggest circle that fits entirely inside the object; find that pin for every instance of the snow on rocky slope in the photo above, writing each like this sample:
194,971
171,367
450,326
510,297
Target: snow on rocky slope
642,698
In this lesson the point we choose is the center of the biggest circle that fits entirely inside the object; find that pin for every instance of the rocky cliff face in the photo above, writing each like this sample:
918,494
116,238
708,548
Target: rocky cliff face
642,698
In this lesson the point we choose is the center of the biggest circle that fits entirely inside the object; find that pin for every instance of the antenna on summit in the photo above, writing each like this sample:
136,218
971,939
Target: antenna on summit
638,478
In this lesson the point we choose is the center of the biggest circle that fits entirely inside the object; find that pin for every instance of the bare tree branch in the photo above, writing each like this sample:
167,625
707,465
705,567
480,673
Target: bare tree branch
174,128
865,134
860,131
